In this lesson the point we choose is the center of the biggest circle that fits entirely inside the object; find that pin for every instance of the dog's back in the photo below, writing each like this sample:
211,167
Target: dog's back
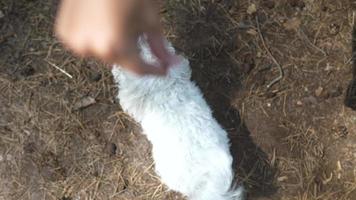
190,149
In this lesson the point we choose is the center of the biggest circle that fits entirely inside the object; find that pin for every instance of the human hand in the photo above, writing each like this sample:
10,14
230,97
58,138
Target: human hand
109,30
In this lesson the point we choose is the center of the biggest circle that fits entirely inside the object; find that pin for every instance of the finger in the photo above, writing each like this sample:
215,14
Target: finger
155,38
138,66
156,43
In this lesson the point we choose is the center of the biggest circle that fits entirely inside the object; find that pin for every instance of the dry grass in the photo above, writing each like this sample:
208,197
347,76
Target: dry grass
289,141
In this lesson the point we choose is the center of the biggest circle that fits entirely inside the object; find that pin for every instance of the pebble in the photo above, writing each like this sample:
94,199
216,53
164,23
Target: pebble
319,91
251,9
282,178
84,103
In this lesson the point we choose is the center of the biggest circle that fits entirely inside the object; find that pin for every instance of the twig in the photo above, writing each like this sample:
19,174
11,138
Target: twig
60,69
281,73
302,34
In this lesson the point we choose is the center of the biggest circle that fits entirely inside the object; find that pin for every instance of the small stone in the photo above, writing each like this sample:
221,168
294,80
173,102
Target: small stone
251,9
252,32
299,103
319,91
282,178
2,15
84,103
258,55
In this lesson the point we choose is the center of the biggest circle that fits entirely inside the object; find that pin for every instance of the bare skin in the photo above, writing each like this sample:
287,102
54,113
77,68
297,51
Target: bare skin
109,29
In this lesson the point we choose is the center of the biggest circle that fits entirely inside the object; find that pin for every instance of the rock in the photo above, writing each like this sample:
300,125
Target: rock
83,103
299,103
251,9
252,32
282,178
319,91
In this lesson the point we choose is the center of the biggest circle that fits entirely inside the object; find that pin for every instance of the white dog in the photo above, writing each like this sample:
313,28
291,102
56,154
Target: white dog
190,149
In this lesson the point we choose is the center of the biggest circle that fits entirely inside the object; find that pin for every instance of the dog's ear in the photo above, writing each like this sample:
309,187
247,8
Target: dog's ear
184,71
188,71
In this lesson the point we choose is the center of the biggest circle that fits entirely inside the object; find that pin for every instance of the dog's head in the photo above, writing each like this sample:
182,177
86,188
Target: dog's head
129,81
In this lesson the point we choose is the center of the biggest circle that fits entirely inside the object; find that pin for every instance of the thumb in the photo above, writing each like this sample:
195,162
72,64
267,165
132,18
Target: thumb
133,62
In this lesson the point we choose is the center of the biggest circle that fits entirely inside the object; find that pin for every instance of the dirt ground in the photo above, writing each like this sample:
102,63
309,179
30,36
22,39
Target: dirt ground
294,140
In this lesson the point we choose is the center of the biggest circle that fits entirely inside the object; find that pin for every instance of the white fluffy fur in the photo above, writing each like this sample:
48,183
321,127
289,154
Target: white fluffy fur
190,149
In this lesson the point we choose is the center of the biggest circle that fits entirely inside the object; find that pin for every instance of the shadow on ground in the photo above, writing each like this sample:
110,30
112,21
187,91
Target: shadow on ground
210,39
